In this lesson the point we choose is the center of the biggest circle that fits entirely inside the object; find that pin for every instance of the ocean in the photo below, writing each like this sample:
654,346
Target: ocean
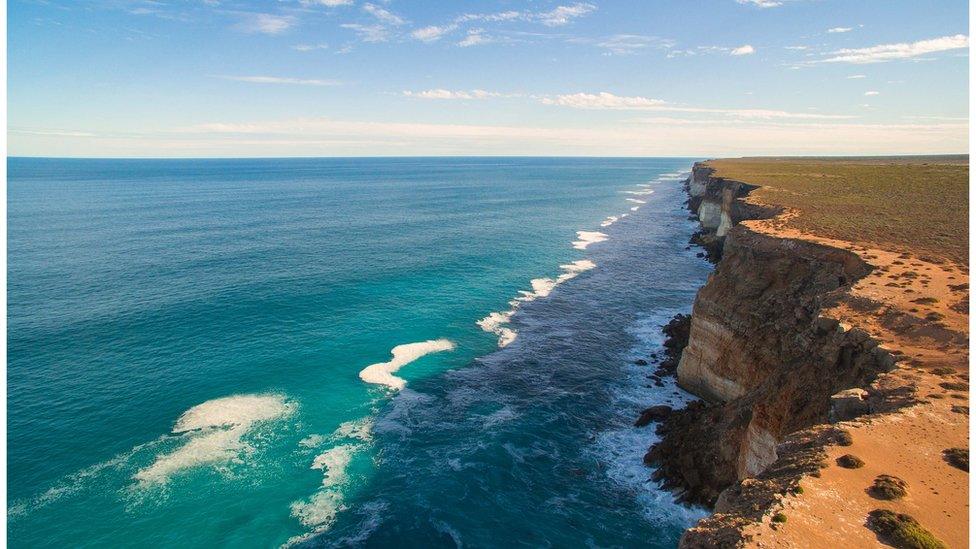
409,352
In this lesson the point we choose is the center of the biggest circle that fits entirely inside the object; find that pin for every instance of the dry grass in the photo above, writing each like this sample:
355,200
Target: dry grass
915,204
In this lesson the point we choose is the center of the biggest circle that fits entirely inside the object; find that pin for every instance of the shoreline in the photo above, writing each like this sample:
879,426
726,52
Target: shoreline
827,357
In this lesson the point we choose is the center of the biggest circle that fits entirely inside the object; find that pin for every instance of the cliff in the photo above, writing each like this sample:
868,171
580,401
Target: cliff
775,357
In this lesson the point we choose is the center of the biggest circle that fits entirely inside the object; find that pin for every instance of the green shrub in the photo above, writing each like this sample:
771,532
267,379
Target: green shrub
902,531
889,487
850,461
957,457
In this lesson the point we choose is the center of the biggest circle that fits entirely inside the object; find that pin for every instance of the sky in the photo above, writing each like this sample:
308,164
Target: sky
241,78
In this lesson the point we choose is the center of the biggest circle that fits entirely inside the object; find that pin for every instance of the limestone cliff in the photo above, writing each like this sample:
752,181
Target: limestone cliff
760,354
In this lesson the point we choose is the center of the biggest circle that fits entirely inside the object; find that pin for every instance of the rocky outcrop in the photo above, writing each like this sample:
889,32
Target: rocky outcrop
760,354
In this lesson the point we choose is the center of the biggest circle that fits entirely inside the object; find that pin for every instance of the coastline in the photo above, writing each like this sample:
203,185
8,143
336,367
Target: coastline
802,349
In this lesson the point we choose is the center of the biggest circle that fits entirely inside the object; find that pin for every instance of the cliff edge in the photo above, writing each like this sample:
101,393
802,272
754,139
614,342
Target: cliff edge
804,348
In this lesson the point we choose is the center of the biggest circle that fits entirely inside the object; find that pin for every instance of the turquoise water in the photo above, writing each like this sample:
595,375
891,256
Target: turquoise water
186,340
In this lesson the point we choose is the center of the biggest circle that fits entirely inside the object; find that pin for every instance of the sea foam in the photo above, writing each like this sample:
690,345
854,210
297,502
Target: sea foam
585,238
622,445
382,373
636,201
214,433
318,511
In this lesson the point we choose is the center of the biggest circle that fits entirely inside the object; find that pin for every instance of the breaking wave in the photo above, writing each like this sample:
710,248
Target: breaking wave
498,322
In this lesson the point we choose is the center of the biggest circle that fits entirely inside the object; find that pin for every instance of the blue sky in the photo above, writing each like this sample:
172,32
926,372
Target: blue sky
176,78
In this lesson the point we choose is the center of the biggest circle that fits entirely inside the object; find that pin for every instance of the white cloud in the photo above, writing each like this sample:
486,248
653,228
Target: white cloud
368,33
743,50
903,50
383,15
326,3
563,15
310,47
265,23
279,80
440,93
475,37
856,76
433,33
798,48
761,3
609,101
837,30
872,92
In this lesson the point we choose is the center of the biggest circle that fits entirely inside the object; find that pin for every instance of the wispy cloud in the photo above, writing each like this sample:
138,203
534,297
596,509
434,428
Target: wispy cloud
54,133
490,17
559,16
563,15
278,80
265,23
475,37
629,44
602,100
872,92
837,30
609,101
902,50
368,33
384,15
310,47
440,93
326,3
433,33
743,50
761,3
311,136
856,76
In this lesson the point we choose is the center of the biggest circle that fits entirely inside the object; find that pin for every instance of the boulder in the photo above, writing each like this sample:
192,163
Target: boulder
654,413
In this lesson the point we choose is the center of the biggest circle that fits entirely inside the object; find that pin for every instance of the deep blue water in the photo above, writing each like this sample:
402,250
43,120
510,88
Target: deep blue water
186,337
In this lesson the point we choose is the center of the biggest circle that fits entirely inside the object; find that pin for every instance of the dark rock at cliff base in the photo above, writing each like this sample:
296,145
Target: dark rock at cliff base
676,339
711,244
654,413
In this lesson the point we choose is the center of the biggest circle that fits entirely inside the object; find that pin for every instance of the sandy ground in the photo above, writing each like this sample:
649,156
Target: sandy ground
918,307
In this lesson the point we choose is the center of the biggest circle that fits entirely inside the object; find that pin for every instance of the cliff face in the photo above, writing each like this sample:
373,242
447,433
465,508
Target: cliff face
715,202
760,354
